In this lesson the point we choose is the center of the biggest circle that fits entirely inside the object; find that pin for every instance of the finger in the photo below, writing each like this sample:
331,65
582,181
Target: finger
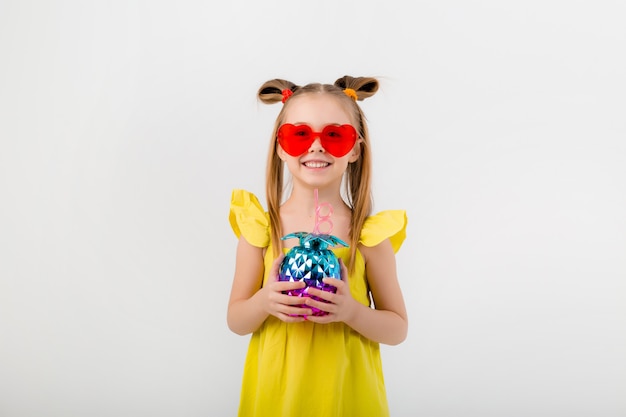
328,318
296,311
289,305
300,311
291,300
288,285
321,305
290,318
333,282
326,295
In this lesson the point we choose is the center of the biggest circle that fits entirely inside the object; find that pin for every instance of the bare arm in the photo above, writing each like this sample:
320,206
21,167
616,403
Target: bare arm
388,323
250,303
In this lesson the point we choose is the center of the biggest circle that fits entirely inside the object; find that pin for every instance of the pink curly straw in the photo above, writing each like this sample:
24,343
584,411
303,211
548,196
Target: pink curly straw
320,218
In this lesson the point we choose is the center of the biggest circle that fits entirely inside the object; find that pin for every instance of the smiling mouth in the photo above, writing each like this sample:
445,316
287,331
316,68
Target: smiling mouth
316,164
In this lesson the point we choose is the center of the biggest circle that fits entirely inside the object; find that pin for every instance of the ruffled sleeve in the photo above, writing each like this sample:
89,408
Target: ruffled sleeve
248,218
389,224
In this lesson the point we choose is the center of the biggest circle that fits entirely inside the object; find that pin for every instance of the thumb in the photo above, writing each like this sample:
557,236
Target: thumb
276,266
344,271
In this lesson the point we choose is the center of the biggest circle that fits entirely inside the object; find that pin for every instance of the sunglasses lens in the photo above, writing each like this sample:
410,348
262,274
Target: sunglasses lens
295,140
338,140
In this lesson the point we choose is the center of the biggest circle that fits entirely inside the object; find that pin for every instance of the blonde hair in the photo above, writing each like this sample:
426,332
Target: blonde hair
358,175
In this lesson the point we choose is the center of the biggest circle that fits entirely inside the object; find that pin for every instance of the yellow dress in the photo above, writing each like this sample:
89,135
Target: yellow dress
309,369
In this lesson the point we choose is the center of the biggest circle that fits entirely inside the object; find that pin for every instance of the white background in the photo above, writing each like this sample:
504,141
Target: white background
499,126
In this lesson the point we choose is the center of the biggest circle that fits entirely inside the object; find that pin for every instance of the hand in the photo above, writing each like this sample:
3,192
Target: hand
284,307
340,306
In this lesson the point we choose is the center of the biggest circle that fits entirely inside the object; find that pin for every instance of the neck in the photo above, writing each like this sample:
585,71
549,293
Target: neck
304,197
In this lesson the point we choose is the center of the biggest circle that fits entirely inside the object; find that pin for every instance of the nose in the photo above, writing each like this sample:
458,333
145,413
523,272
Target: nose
316,146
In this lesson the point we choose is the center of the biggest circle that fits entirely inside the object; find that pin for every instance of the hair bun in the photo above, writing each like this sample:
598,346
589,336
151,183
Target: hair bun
364,87
272,91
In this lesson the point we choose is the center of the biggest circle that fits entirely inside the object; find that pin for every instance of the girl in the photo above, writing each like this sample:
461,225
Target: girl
299,364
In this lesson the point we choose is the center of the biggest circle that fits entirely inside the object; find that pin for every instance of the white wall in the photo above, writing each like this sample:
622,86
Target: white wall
499,127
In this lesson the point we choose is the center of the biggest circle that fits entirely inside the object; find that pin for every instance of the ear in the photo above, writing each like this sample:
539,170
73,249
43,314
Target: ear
355,153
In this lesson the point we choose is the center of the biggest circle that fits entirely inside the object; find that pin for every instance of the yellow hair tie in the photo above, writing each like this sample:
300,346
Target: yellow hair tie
350,93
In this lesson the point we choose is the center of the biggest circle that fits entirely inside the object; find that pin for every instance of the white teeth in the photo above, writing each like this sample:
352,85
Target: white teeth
312,164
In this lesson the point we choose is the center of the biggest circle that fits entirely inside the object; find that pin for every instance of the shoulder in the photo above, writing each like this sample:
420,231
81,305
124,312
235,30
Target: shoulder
248,218
388,224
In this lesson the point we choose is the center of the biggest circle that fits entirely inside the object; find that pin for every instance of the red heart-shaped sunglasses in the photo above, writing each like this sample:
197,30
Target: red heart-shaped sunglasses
337,140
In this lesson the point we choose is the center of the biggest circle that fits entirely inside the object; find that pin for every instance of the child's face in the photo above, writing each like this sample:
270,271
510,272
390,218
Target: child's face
316,166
